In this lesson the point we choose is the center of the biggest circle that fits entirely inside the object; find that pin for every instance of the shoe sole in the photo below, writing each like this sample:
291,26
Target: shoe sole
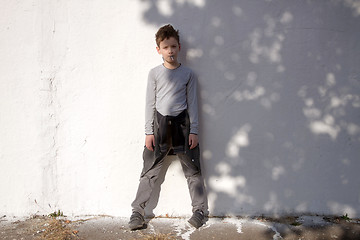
137,227
195,224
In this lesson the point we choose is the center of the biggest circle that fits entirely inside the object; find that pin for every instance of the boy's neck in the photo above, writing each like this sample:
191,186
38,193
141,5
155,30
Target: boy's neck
173,65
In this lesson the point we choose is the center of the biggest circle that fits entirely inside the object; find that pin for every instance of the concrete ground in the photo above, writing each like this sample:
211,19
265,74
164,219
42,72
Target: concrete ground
105,227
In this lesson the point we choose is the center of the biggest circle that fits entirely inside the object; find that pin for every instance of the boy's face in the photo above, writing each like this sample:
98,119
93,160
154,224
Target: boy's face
169,49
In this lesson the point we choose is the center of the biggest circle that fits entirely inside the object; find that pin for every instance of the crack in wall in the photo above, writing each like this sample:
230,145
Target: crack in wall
50,159
53,49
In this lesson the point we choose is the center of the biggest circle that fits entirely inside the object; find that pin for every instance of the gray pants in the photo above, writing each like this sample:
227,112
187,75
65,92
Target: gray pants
190,162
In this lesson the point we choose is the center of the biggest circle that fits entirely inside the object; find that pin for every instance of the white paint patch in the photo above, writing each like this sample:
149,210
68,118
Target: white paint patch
239,222
151,228
183,229
276,235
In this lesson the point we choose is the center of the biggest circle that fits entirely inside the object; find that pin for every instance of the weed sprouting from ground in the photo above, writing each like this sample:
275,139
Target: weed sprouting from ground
56,214
346,217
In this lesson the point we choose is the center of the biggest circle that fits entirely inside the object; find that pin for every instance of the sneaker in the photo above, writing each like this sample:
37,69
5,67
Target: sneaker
136,221
197,219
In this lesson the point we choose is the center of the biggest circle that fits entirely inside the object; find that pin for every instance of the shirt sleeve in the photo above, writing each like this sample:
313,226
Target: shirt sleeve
150,103
192,102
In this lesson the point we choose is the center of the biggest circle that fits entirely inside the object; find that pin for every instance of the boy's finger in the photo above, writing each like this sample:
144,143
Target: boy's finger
150,148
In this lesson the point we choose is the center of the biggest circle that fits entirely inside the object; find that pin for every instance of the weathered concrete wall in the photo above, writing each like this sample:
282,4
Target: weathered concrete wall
279,94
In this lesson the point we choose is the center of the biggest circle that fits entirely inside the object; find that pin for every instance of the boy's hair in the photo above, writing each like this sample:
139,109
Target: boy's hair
166,32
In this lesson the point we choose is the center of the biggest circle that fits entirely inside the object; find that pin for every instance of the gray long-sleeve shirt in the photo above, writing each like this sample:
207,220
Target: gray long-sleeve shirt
171,91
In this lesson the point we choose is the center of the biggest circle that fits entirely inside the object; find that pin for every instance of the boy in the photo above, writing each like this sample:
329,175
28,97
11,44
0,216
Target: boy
171,123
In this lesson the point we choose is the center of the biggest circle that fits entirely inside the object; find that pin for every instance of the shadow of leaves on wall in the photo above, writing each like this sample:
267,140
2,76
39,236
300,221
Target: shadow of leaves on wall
279,92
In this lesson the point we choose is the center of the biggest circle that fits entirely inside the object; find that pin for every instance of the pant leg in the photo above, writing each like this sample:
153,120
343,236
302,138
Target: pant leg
147,180
192,172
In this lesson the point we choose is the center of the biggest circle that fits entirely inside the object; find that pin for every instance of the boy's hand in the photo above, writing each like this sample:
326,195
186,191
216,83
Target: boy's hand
150,142
193,140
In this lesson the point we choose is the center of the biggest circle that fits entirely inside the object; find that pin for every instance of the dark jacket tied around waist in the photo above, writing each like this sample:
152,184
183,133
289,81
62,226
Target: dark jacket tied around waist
171,133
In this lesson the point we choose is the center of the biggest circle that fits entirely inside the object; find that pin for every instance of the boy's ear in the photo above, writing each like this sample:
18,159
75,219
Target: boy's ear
158,50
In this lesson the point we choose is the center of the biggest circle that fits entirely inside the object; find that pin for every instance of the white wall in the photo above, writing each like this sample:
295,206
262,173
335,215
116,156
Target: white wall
279,94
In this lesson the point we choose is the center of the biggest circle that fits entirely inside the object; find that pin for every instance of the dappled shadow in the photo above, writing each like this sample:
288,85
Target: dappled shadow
279,95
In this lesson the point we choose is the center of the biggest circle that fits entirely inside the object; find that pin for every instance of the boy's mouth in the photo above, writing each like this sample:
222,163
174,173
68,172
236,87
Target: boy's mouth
172,58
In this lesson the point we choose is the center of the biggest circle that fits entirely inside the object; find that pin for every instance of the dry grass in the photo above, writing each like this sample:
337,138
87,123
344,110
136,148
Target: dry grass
56,229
